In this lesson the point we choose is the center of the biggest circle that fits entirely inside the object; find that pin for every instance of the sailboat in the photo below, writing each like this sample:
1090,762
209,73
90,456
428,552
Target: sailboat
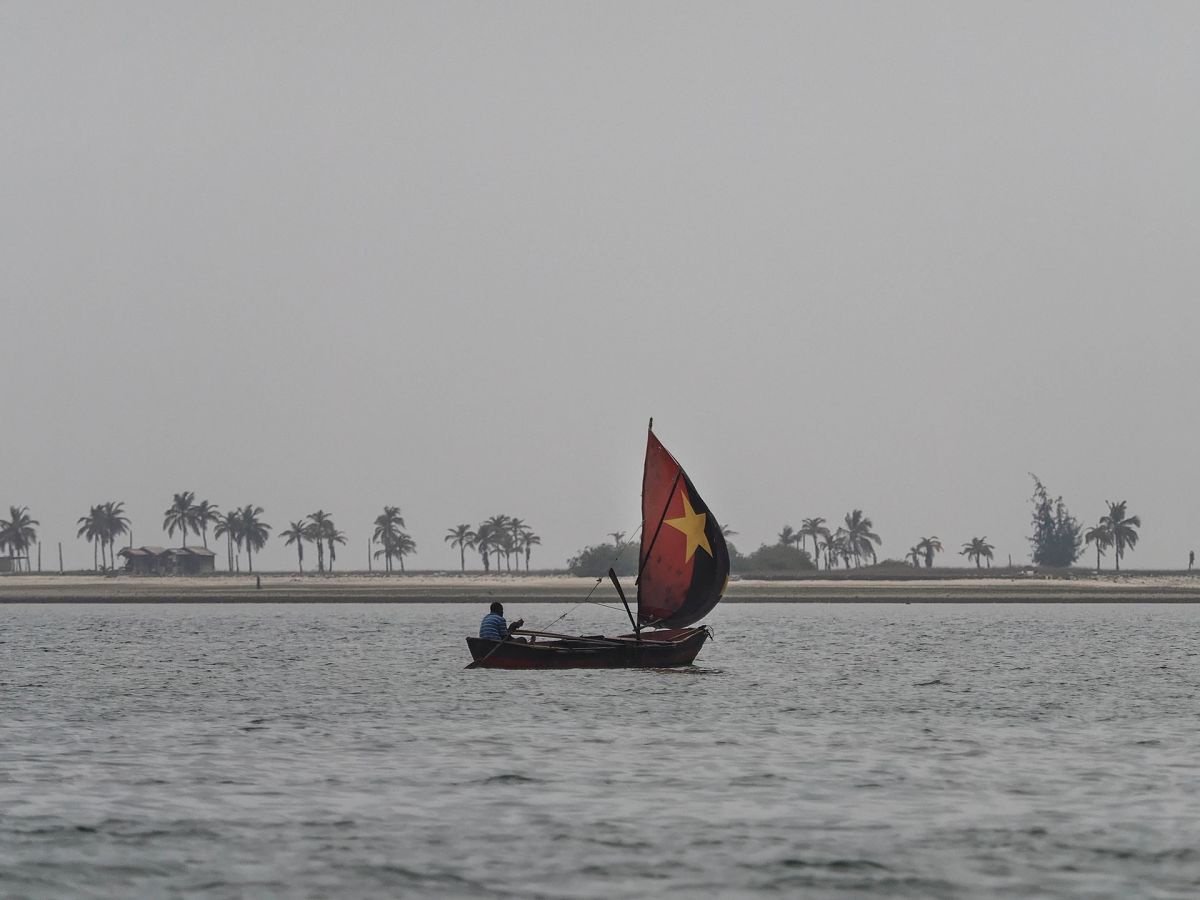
683,568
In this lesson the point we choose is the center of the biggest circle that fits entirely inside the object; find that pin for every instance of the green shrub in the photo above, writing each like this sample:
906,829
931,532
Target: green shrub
774,558
595,560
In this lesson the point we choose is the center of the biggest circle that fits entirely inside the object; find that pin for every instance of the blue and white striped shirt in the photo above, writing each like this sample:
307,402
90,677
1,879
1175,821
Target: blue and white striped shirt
493,627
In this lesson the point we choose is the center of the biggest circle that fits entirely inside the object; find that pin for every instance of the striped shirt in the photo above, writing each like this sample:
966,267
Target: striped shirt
493,627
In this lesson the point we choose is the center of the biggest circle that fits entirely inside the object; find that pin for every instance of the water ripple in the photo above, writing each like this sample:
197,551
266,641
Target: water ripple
837,751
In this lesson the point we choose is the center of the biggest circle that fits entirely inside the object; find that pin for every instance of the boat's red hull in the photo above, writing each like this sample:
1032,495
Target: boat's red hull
656,650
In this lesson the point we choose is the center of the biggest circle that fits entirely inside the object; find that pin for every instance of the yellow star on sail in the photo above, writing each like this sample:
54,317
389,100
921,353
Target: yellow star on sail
691,523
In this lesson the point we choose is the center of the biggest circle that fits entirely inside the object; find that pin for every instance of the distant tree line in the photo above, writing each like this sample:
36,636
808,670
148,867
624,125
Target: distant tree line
505,536
1057,540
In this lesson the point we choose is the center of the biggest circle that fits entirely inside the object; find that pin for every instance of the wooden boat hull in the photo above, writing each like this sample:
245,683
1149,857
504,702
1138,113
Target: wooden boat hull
656,649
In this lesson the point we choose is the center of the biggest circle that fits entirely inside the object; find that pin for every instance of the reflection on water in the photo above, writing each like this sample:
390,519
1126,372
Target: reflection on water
915,751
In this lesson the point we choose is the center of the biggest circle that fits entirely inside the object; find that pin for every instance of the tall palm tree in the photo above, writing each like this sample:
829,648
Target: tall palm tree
529,540
254,531
229,526
485,538
180,515
1124,529
860,539
19,532
618,537
500,542
914,556
114,524
516,528
929,546
91,527
1101,535
321,524
203,515
387,531
977,549
297,533
462,537
815,529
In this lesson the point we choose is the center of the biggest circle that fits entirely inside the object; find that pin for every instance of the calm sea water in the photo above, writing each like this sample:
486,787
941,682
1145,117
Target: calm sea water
830,751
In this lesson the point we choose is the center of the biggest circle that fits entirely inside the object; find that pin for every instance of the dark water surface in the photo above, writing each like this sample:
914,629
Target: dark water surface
829,751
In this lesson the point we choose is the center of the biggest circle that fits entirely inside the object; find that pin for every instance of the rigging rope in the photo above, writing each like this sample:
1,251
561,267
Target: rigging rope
612,562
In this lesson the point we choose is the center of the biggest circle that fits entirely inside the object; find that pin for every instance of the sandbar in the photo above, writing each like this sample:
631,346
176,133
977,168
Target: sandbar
275,587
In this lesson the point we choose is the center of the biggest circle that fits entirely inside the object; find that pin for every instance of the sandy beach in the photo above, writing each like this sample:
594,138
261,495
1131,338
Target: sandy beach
422,588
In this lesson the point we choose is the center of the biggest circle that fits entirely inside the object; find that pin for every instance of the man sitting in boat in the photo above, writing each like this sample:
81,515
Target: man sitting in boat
494,628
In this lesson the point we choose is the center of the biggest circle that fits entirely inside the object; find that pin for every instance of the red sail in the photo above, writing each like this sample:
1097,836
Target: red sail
684,562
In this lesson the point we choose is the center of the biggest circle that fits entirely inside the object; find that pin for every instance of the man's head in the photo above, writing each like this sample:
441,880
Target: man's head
498,608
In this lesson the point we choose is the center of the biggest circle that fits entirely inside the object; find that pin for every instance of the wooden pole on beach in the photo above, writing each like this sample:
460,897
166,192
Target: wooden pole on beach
60,567
39,557
369,569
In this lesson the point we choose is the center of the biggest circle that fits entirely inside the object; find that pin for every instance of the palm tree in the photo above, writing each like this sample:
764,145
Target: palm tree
504,545
485,537
618,537
386,550
405,545
462,537
529,540
399,546
826,547
929,546
203,515
914,556
254,531
1123,529
114,524
91,527
387,531
19,532
333,537
229,526
815,529
516,528
180,515
1100,535
977,549
321,525
500,542
842,547
860,539
787,536
297,533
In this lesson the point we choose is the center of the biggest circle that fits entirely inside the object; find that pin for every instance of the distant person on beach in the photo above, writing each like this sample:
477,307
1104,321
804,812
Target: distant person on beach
494,628
1191,559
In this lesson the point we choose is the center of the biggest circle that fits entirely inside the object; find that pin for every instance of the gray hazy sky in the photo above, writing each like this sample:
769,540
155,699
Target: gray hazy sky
452,255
